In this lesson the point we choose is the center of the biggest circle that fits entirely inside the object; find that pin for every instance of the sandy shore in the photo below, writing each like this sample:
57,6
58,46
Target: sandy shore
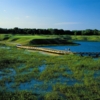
45,53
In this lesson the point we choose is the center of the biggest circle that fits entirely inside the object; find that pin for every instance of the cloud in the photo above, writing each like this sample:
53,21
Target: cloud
67,23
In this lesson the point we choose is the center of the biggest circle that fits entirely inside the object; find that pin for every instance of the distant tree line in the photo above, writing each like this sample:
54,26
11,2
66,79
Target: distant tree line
27,31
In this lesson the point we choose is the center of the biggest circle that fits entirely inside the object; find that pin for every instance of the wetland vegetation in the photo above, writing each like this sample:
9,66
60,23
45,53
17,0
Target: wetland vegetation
28,75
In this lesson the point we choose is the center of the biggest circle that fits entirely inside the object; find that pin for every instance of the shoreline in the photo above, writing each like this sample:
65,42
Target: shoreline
44,53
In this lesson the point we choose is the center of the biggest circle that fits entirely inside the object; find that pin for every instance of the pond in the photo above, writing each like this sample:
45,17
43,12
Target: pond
84,46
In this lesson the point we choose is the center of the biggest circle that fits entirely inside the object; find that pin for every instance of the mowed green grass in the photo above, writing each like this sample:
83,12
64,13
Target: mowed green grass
25,39
86,38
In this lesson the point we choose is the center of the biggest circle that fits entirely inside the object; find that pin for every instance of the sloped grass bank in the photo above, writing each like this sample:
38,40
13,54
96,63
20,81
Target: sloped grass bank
36,39
55,41
32,76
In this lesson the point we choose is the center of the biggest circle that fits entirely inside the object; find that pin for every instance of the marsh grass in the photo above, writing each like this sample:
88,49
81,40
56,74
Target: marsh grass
65,77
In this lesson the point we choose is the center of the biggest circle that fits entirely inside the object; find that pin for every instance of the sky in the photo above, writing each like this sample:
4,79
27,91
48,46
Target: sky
44,14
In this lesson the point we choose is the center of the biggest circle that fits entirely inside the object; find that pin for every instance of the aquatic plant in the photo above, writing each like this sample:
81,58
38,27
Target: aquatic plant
65,77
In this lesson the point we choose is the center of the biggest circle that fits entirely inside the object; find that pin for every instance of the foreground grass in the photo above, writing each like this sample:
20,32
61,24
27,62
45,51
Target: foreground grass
68,77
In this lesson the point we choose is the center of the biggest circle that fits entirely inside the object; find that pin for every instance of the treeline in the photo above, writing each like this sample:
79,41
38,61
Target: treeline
27,31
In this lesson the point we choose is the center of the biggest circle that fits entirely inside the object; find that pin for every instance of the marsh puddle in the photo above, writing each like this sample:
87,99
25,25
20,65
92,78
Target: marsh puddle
9,85
68,71
42,68
37,85
4,47
97,74
44,87
7,73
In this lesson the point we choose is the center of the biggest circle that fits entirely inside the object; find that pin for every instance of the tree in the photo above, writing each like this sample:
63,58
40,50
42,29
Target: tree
88,32
95,32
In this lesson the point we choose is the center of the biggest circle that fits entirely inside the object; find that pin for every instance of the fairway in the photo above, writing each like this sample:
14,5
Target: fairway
86,38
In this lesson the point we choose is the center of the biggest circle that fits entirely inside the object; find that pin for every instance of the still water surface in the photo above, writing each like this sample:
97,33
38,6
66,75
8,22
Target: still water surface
83,47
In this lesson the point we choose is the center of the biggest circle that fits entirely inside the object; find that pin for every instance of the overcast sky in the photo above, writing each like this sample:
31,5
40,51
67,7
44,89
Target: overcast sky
61,14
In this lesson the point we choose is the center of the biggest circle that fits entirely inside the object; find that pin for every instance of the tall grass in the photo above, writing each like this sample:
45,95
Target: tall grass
70,67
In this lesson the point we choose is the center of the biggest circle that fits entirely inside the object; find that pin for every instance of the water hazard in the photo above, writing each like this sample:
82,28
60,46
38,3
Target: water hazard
83,47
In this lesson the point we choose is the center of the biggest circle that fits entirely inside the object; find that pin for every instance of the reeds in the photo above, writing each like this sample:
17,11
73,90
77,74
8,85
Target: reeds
25,67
